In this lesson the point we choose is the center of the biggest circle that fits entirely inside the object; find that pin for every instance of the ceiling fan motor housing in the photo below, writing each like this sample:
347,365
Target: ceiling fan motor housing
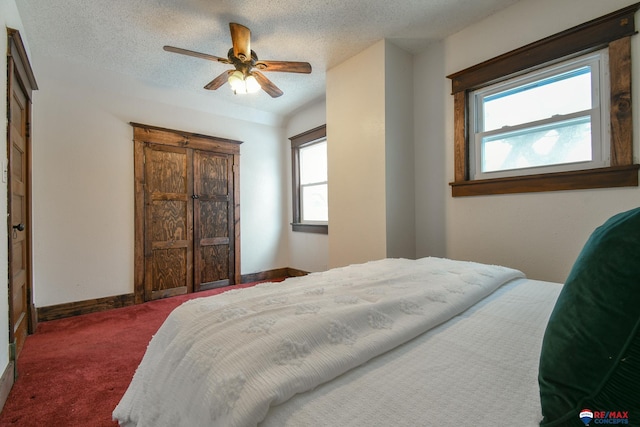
241,65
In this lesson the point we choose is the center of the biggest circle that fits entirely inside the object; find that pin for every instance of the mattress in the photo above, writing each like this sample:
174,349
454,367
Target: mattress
479,368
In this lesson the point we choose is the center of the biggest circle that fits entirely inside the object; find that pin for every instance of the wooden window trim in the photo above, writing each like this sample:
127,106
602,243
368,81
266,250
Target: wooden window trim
612,31
297,142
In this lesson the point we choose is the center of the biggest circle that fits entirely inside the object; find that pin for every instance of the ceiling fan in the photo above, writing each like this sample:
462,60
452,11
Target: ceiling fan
247,76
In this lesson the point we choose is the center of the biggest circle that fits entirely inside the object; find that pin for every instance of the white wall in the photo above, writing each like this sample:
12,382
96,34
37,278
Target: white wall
307,251
83,180
540,233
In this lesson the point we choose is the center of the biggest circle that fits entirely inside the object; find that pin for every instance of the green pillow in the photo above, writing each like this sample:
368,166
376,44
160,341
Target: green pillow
590,358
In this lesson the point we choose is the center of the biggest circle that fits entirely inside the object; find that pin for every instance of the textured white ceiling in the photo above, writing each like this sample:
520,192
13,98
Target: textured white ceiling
126,36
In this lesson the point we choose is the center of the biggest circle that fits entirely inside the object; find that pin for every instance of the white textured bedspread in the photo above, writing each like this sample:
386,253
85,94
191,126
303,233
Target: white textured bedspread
478,369
225,360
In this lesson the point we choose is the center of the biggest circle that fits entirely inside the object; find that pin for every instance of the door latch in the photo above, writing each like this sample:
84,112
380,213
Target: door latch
16,228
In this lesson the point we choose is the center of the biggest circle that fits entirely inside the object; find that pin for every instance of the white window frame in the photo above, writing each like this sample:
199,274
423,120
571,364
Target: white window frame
303,219
599,117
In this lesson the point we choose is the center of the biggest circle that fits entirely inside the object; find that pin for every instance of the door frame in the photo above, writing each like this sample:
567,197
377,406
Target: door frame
143,134
19,72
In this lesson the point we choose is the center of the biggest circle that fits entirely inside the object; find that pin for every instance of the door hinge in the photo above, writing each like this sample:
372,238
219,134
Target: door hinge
12,351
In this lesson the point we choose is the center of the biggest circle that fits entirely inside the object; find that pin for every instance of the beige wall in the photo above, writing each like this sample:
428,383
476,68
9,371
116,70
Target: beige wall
431,181
540,233
371,208
399,153
356,156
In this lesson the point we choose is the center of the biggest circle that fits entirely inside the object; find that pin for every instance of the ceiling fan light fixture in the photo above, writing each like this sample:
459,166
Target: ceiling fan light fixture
241,84
252,84
236,81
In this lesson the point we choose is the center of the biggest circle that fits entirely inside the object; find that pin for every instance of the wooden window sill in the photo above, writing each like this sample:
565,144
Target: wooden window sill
614,176
310,228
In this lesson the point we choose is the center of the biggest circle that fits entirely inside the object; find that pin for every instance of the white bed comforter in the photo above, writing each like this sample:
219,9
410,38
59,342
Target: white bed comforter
225,360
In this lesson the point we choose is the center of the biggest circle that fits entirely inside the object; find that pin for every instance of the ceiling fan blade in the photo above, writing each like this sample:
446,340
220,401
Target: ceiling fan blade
267,85
284,66
196,54
241,39
218,81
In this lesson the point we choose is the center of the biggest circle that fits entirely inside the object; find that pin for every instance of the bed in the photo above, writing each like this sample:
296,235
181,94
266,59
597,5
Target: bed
428,342
489,314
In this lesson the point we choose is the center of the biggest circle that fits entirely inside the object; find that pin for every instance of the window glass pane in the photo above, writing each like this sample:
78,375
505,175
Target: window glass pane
558,143
314,203
564,93
313,163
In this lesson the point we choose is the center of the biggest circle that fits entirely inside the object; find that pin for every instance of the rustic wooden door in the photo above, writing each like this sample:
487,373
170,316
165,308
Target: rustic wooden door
18,176
169,221
187,212
213,216
19,262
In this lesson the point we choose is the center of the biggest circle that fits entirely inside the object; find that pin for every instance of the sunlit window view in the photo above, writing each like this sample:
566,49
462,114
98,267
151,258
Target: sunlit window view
566,142
548,118
557,95
313,183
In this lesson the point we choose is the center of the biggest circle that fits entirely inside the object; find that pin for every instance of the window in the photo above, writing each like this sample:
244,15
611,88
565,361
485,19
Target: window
549,120
313,183
309,178
515,131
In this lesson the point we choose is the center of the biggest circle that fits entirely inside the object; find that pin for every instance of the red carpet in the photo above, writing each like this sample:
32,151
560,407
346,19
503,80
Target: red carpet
73,372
